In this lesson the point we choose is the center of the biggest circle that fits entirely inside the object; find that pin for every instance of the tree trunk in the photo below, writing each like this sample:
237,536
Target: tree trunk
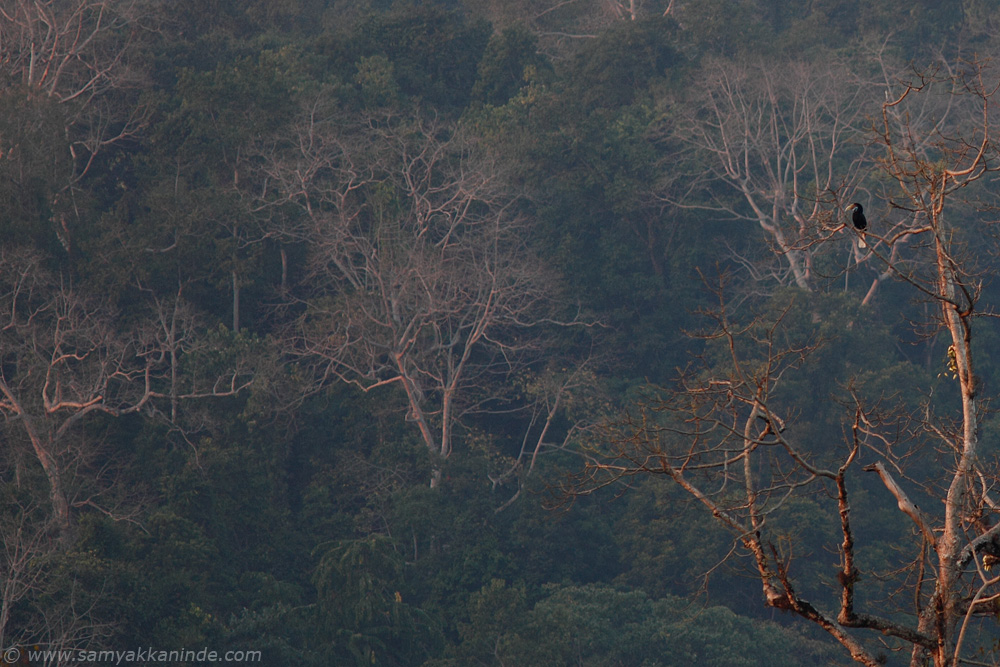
952,538
57,497
236,302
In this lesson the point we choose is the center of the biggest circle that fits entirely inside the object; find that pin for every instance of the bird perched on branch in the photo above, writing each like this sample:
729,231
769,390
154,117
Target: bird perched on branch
989,562
859,220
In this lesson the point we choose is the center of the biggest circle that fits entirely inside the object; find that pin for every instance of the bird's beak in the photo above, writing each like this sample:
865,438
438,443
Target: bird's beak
849,207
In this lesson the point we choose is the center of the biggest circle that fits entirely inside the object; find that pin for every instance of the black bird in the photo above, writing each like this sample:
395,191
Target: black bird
859,220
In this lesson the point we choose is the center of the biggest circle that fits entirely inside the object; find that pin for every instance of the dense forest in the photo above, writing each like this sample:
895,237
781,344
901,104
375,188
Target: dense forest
479,332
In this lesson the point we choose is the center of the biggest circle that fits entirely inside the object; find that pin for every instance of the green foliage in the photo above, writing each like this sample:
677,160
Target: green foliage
358,584
433,53
729,27
299,521
495,612
506,65
583,139
35,165
600,626
619,67
215,112
283,633
377,81
668,549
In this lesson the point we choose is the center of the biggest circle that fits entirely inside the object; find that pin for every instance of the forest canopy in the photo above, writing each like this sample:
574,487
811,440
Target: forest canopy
477,333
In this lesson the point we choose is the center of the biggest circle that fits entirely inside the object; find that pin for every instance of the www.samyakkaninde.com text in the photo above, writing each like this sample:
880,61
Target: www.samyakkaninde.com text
35,655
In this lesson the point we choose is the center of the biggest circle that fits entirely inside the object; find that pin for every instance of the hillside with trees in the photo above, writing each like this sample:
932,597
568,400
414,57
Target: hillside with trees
466,332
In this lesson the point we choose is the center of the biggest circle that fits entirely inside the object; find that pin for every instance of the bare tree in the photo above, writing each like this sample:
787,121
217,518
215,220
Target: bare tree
562,25
421,275
782,148
728,434
65,50
76,56
66,356
25,546
930,175
560,392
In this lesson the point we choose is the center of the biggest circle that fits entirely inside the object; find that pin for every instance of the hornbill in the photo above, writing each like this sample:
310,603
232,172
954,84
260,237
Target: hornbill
860,222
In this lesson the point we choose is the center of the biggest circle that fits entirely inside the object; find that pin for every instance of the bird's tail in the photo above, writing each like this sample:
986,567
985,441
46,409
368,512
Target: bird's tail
861,243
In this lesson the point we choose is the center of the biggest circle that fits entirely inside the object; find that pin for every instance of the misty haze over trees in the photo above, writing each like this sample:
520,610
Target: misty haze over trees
532,332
